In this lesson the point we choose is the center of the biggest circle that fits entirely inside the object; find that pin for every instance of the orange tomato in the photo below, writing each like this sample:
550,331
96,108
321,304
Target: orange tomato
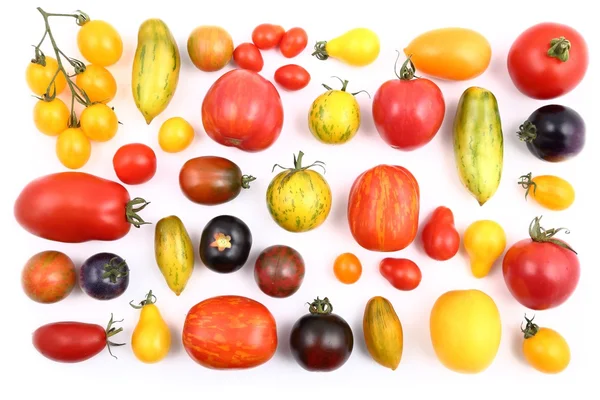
347,268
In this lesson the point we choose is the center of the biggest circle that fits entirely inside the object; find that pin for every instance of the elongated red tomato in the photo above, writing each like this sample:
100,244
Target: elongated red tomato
75,207
292,77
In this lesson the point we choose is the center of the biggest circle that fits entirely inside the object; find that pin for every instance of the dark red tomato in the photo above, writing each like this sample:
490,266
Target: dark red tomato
248,56
48,277
267,36
75,207
440,238
402,273
541,272
293,42
279,271
408,112
292,77
548,60
134,163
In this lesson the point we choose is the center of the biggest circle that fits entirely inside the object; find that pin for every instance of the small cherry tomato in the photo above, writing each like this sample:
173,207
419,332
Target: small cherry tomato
73,148
99,122
39,76
175,135
293,42
100,43
98,83
402,273
545,349
347,268
292,77
51,117
247,56
134,163
267,36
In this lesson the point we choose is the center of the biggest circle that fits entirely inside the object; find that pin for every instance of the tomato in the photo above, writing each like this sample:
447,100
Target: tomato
292,77
357,47
541,272
230,332
267,36
484,242
293,42
248,56
545,349
51,117
279,271
347,268
547,60
401,273
99,122
550,191
175,135
244,110
104,276
48,277
72,342
134,163
440,237
225,244
151,338
73,148
75,207
100,43
39,76
98,83
210,48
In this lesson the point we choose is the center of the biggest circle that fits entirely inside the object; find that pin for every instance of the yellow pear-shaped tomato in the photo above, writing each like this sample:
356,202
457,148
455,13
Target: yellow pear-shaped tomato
357,47
551,192
545,349
151,339
484,242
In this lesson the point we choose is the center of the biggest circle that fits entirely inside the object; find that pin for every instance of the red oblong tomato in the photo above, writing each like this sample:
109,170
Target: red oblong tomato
48,277
293,42
244,110
441,240
230,332
383,208
267,36
401,273
134,163
247,56
292,77
548,60
75,207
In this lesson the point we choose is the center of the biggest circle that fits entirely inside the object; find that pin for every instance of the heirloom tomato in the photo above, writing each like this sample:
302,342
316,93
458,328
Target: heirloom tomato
440,237
550,191
99,43
545,349
347,268
151,338
225,244
279,271
401,273
104,276
210,48
48,277
175,135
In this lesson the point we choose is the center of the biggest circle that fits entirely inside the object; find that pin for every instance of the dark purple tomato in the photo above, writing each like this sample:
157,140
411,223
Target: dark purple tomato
104,276
279,271
321,341
225,244
554,133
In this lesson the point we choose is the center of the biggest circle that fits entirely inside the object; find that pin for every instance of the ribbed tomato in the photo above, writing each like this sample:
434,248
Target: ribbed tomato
383,208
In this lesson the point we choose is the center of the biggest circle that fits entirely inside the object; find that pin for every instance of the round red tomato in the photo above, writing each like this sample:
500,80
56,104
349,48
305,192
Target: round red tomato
267,36
279,271
401,273
440,238
541,272
293,42
134,163
244,110
408,112
48,277
548,60
248,56
292,77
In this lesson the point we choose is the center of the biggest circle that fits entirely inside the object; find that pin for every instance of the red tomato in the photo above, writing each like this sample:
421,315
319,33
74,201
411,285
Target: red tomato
267,36
248,56
408,112
292,77
548,60
134,163
440,238
242,109
75,207
402,273
48,277
293,42
541,272
383,208
230,332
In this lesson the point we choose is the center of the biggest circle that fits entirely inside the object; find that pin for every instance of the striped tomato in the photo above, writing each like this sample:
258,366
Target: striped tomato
383,208
230,332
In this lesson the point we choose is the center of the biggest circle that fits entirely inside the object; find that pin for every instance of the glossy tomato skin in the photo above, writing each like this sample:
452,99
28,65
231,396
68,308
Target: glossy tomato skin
441,240
69,342
134,163
293,42
48,277
248,56
292,77
279,271
243,110
104,276
225,244
267,36
540,76
401,273
230,332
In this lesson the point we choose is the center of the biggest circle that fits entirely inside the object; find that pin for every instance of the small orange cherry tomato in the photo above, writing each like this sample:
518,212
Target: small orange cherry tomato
347,268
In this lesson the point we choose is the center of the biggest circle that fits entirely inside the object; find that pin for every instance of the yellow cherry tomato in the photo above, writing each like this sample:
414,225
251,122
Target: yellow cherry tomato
39,77
545,349
551,192
99,122
100,43
151,339
357,47
51,117
484,242
175,135
98,83
73,148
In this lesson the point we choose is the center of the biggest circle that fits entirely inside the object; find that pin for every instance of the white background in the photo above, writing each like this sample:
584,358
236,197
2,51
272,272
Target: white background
27,154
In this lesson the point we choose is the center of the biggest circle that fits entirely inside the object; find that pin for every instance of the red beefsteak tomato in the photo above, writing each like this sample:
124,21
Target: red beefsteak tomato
230,332
383,208
243,110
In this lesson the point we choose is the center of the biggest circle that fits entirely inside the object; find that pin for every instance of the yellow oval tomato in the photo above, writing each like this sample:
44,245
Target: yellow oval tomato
39,77
357,47
51,117
175,135
99,122
484,242
98,83
551,192
100,43
545,349
73,148
151,338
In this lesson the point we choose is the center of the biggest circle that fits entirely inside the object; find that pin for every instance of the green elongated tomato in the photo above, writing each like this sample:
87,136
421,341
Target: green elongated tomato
479,143
174,253
156,66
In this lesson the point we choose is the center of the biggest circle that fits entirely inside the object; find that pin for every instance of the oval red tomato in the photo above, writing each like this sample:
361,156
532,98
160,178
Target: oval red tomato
401,273
293,42
267,36
248,56
292,77
548,60
134,163
441,240
48,277
244,110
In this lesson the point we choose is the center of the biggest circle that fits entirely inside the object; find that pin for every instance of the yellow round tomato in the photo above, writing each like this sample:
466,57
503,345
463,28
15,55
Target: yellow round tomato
484,242
39,77
51,117
99,122
545,349
175,135
98,83
73,148
465,330
551,192
347,268
100,43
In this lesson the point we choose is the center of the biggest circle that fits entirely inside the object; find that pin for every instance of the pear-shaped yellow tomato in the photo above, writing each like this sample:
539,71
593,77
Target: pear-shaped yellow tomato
545,349
357,47
551,192
465,330
484,242
151,339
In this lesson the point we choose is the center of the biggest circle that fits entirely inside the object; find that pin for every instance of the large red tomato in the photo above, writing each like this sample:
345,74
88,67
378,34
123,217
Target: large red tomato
383,208
242,109
230,332
547,60
541,272
408,112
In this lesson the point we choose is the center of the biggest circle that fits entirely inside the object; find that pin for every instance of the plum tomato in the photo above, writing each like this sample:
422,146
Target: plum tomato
293,42
401,273
292,77
267,36
247,56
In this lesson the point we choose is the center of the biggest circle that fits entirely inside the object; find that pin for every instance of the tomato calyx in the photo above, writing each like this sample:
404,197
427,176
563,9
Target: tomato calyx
150,299
559,48
320,50
222,241
110,332
320,307
131,211
526,182
246,179
407,71
531,329
527,132
298,164
541,235
344,86
113,272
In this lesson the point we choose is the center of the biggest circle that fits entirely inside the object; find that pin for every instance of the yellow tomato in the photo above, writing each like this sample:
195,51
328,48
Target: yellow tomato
484,242
51,117
551,192
175,135
99,122
39,77
545,349
151,339
357,47
73,148
465,330
100,43
98,83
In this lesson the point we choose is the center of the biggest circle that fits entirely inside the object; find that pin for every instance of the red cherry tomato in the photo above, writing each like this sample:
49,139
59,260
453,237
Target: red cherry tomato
293,42
402,273
440,238
292,77
134,163
248,56
267,36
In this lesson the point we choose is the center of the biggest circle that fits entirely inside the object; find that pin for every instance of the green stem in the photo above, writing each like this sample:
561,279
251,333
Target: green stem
321,307
559,48
531,329
113,272
131,211
407,71
320,50
527,132
110,332
541,235
526,182
344,86
298,164
150,299
246,179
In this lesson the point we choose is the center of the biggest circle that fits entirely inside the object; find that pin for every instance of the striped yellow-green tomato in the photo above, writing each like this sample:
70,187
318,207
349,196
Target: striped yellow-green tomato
299,199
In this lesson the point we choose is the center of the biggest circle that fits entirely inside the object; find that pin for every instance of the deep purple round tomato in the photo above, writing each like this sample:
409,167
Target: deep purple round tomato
279,271
104,276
